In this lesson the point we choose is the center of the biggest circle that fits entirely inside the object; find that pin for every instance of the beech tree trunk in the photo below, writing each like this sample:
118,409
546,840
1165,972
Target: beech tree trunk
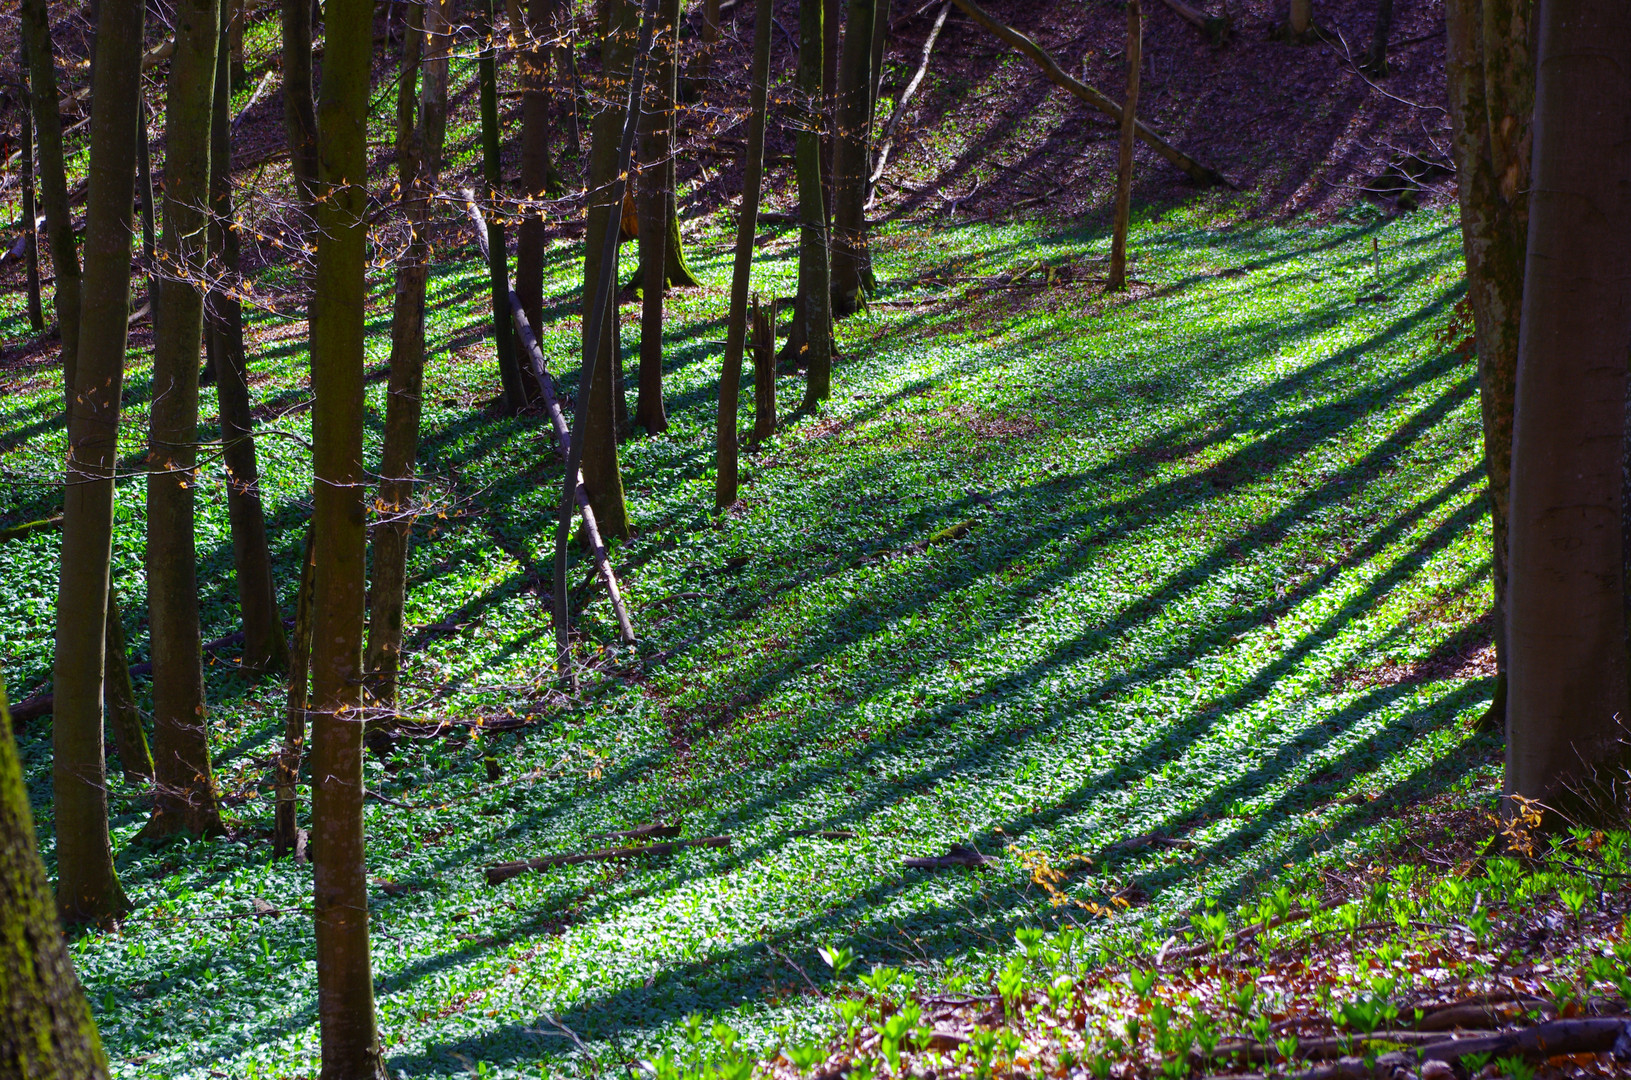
345,985
1301,19
31,235
286,770
1375,59
418,161
850,155
144,192
509,372
299,112
602,475
730,379
119,699
87,886
265,648
46,1029
655,196
538,175
184,788
810,343
1568,694
1117,278
1491,110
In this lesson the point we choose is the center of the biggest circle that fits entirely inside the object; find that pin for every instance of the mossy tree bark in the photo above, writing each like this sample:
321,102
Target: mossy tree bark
730,379
46,1029
1117,278
850,155
1490,77
184,789
602,475
418,161
810,342
538,174
266,649
654,195
87,886
345,985
1568,693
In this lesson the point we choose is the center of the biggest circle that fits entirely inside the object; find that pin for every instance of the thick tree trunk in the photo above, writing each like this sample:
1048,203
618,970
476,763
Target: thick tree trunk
265,647
810,343
1494,227
53,177
299,113
509,372
31,232
87,886
1117,278
286,770
602,474
1568,694
46,1029
538,175
184,788
764,370
345,985
418,164
119,698
730,380
655,196
850,160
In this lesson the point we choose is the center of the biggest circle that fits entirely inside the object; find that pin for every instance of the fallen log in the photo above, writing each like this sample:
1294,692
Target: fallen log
1201,174
1594,1035
826,834
502,872
1215,27
32,708
557,420
656,828
956,855
12,532
886,141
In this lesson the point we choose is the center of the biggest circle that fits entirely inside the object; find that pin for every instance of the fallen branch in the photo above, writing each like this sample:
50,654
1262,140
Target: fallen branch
656,828
254,99
956,855
1215,27
1580,1036
497,875
886,141
826,834
41,704
1201,174
1249,932
12,532
535,359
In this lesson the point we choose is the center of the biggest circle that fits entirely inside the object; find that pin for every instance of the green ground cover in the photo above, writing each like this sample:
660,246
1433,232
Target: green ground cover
1196,517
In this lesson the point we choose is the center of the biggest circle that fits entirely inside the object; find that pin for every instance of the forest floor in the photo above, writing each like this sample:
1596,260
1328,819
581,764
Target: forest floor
1173,604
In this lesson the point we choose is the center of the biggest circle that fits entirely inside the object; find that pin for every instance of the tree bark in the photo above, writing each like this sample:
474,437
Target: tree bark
811,340
509,372
184,789
1301,18
655,196
850,160
53,177
87,886
299,112
1117,278
538,174
31,234
1568,694
1494,226
345,985
1374,61
764,370
265,648
46,1029
747,225
286,770
144,191
602,474
119,698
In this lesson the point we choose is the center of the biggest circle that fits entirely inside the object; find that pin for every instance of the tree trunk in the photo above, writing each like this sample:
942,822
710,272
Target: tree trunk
764,370
237,15
538,175
850,160
602,474
832,21
509,372
286,770
418,164
730,380
53,176
119,698
710,39
87,886
1374,62
31,234
654,198
811,340
46,1029
345,985
265,648
1301,19
1494,226
1117,278
1568,695
184,789
299,113
144,190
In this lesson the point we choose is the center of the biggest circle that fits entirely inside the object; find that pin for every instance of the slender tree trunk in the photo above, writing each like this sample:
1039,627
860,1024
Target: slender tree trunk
538,174
1301,19
850,161
119,698
235,43
832,21
569,61
299,112
764,370
418,162
184,788
87,886
144,190
53,177
1494,227
265,648
285,821
509,372
31,236
1124,165
730,380
655,196
345,984
811,339
1375,59
602,475
710,39
1568,694
46,1029
880,42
